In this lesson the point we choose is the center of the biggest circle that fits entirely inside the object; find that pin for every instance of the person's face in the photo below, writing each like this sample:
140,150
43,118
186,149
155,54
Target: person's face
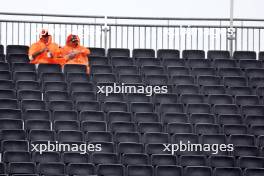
74,43
45,39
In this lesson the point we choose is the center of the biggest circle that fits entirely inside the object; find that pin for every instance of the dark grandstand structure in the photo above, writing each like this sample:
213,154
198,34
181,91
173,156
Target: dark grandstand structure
214,97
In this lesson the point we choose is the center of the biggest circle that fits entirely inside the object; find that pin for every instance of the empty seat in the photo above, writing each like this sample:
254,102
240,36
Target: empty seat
130,147
231,171
5,75
15,145
122,61
173,62
46,157
199,63
156,137
104,158
92,116
224,63
60,105
66,125
174,128
23,67
174,118
87,106
235,91
135,79
81,87
122,127
240,151
21,58
254,120
137,97
36,115
93,126
254,72
75,68
234,129
142,107
126,70
193,54
235,81
207,128
187,89
202,117
182,80
48,68
145,117
178,70
96,51
203,71
11,124
37,125
16,156
80,169
250,162
7,94
51,168
18,49
6,84
172,107
98,60
143,53
208,80
110,169
56,96
254,172
156,148
25,76
218,54
230,72
69,136
140,170
114,97
99,136
15,134
168,53
245,64
148,61
198,171
192,160
217,89
104,78
223,99
8,104
114,106
29,95
52,77
230,119
10,114
27,85
119,117
127,137
221,161
152,70
134,159
245,100
163,159
73,157
101,69
252,110
33,105
242,140
257,130
26,168
244,55
146,127
41,135
118,52
256,82
78,77
222,109
168,170
191,99
65,115
103,147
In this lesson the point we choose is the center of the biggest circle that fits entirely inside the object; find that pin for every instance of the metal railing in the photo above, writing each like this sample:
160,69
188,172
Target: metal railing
135,32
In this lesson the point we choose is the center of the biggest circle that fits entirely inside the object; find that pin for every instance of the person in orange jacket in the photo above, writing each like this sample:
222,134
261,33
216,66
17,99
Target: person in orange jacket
45,51
74,53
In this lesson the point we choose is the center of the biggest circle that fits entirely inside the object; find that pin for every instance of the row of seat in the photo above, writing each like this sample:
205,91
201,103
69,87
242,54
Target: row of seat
59,169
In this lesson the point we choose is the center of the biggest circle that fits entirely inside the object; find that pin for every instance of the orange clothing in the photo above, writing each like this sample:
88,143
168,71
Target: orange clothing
80,56
47,57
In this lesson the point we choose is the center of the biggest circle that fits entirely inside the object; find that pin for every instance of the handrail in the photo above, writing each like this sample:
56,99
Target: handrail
50,15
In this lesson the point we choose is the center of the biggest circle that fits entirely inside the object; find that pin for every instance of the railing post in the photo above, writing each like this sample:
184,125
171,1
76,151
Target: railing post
105,31
231,31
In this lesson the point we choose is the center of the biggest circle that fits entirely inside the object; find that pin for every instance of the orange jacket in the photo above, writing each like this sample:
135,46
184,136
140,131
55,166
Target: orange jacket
81,57
44,57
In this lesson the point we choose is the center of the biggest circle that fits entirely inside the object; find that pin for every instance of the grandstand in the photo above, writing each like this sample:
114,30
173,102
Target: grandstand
215,96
